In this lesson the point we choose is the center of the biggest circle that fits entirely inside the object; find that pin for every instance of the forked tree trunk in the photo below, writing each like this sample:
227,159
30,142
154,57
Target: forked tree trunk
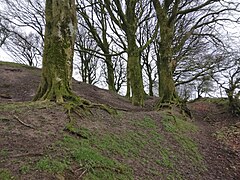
60,33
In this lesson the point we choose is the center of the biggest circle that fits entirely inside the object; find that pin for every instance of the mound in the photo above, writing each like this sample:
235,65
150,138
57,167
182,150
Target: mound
38,140
19,83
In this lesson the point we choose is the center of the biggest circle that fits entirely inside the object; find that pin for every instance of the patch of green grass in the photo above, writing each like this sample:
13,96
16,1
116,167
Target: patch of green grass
20,106
127,144
6,174
25,169
91,160
51,165
4,153
190,148
118,114
80,131
147,122
175,124
165,161
179,128
174,176
16,65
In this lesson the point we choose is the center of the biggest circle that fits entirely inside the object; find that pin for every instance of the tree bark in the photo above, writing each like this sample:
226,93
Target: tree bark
167,92
134,66
60,33
110,74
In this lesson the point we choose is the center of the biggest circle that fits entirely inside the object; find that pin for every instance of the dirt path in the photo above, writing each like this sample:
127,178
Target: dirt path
222,160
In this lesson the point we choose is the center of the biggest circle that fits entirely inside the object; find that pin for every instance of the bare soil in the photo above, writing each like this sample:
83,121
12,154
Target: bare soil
28,130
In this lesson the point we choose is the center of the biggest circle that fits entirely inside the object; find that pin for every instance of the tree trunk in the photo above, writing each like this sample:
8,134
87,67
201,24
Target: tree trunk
136,82
110,74
167,92
166,82
128,93
60,32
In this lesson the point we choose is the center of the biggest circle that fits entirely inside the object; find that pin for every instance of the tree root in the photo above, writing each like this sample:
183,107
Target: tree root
184,110
23,123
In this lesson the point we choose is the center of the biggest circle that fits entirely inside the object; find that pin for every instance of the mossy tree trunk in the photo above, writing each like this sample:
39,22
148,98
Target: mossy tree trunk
134,64
165,66
167,92
59,41
110,73
127,20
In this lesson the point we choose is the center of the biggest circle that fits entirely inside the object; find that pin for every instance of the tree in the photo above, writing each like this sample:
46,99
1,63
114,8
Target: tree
86,62
4,33
128,15
23,21
60,34
232,86
96,24
23,48
179,21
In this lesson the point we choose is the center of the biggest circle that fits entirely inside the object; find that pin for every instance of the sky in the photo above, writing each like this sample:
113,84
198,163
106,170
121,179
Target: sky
4,56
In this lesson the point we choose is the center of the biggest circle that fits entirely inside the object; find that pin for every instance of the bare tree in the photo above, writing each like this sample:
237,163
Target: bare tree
179,21
94,17
86,62
24,24
128,15
23,48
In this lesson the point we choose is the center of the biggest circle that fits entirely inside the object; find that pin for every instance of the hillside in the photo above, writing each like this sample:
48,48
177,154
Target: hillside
39,140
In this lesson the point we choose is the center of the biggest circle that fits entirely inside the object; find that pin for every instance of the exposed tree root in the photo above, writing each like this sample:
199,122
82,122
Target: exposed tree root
184,110
23,123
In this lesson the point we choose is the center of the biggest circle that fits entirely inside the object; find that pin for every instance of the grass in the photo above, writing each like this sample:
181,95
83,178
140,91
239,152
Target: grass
25,169
97,153
179,129
4,153
22,106
50,165
165,161
16,65
6,174
92,161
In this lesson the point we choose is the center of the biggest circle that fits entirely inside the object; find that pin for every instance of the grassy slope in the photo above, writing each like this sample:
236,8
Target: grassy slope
153,145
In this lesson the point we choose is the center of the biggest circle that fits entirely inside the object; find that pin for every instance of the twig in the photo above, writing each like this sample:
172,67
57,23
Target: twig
26,154
82,173
25,124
